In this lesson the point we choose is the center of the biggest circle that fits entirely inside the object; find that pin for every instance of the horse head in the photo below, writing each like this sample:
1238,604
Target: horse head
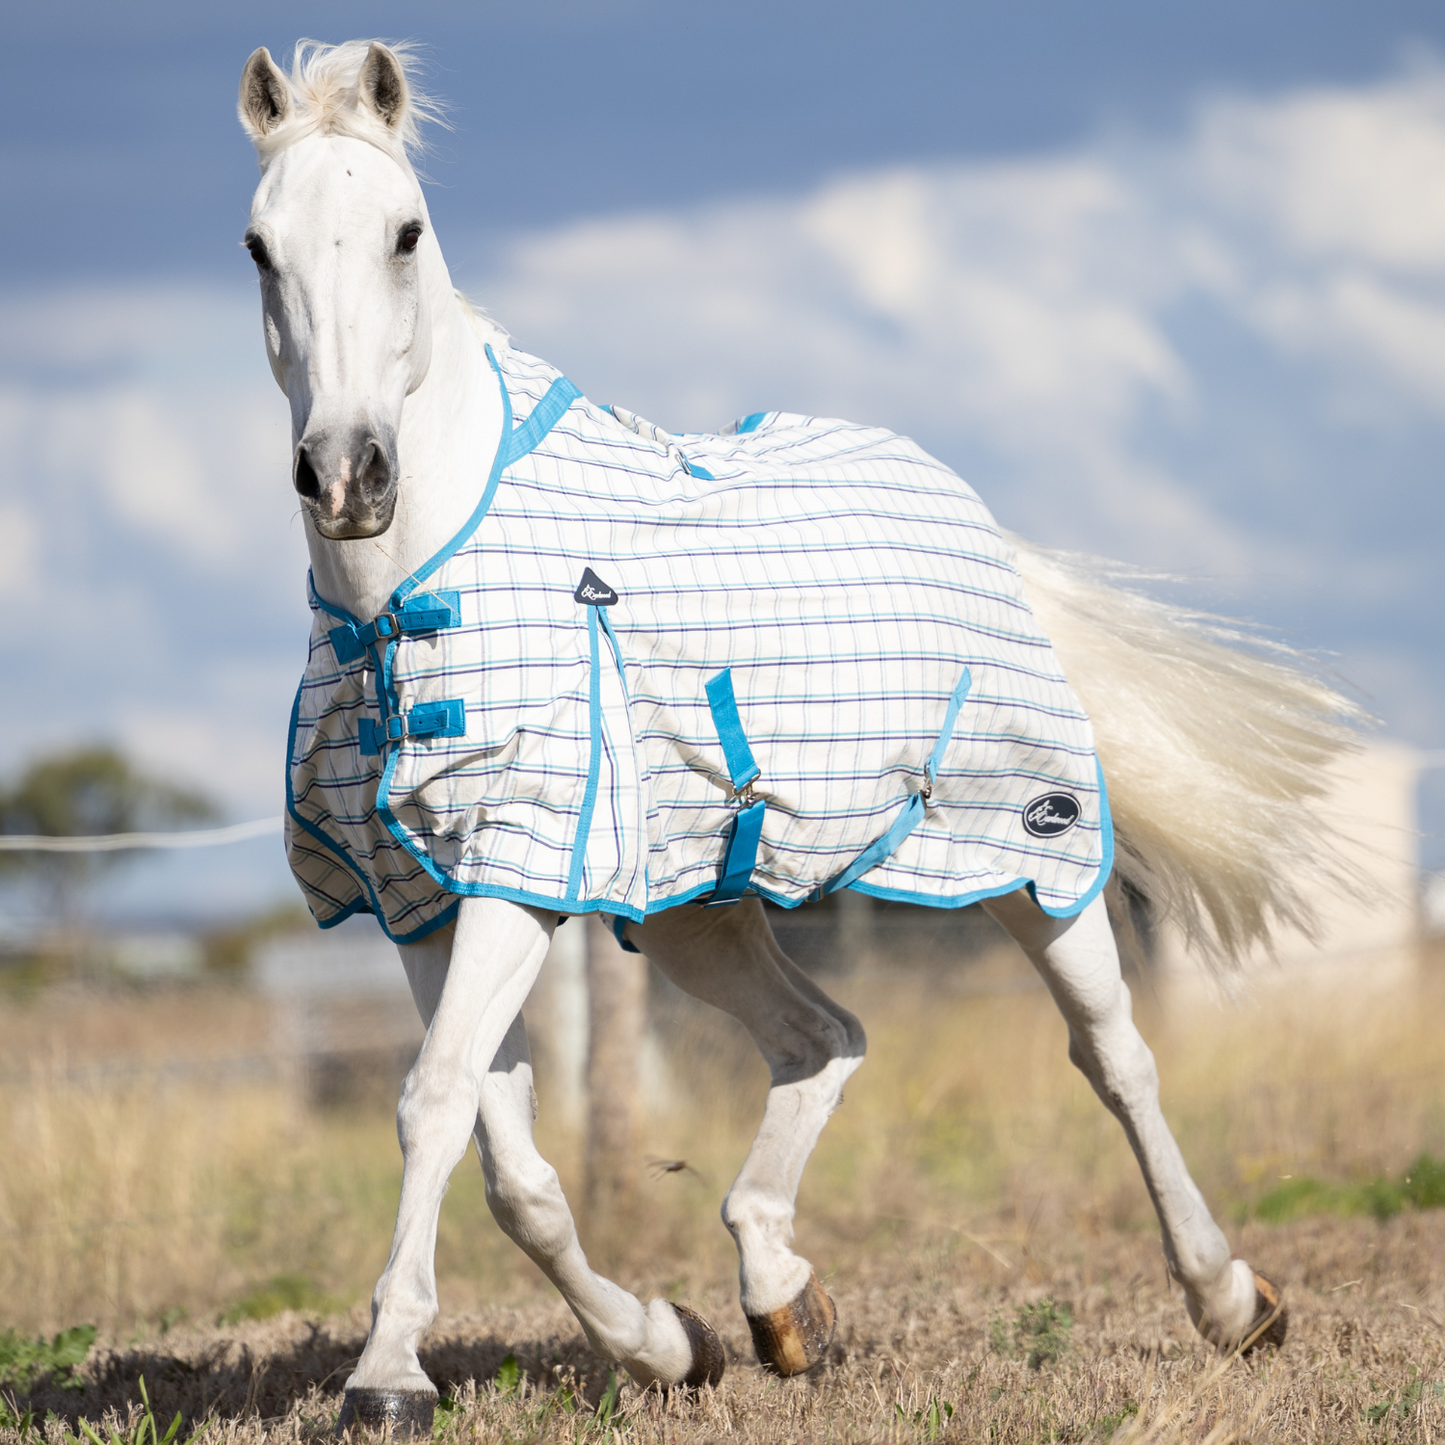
343,247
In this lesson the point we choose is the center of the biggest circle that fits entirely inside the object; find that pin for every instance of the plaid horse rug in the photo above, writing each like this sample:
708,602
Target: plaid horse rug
784,659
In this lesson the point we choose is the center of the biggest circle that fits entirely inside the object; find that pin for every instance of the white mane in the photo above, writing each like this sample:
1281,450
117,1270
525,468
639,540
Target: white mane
323,85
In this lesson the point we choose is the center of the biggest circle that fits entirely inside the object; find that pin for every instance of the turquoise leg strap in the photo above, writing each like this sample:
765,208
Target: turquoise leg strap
741,855
914,810
742,767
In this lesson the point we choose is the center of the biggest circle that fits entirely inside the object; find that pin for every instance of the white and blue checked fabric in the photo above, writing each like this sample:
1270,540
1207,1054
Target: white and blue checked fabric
564,754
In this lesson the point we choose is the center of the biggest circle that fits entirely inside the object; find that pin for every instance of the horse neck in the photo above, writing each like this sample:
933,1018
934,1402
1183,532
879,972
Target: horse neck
450,429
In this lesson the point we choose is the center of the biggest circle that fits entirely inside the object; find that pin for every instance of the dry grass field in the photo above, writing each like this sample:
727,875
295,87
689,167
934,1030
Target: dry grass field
975,1214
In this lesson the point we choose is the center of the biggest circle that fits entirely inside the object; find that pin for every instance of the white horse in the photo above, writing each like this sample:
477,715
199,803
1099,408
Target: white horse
1210,752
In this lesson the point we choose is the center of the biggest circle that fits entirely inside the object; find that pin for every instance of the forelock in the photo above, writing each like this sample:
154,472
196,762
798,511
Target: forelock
324,85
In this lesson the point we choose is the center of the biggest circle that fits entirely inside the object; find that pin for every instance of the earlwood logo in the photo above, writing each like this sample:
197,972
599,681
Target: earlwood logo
593,590
1052,814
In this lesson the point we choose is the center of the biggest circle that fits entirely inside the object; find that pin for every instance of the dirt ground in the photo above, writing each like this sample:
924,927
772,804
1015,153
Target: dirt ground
927,1347
972,1208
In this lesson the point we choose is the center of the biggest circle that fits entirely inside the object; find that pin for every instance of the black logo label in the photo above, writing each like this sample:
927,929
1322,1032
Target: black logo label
1052,814
593,590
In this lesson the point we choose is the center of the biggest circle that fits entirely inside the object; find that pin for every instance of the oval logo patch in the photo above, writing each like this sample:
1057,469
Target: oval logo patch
1052,814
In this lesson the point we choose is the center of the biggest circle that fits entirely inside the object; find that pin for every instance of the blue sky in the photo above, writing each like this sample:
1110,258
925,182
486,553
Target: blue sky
1165,283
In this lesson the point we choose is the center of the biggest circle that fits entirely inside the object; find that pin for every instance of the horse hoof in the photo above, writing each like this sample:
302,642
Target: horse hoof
1271,1318
708,1360
794,1337
408,1412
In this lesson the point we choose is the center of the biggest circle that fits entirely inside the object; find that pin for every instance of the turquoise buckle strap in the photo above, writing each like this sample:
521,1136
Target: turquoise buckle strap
742,766
426,612
445,719
740,856
914,810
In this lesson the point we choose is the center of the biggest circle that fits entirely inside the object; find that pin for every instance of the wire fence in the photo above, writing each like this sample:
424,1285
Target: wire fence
118,842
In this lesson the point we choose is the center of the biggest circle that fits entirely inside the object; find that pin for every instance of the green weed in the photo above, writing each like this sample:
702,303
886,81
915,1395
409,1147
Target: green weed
145,1431
1042,1332
1401,1403
607,1405
1107,1426
1422,1186
447,1412
1039,1333
12,1417
508,1376
930,1421
280,1292
23,1360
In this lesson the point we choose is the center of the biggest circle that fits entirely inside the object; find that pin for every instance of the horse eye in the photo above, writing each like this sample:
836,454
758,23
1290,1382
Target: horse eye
408,239
257,247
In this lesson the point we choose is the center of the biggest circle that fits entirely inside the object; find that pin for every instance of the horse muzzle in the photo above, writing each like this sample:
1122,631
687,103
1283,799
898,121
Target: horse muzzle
347,480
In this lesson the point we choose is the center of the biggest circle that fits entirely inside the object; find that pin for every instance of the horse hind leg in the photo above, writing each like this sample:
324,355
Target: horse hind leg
729,958
1230,1305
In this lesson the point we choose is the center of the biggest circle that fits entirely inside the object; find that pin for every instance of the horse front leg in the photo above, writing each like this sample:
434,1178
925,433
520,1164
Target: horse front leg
729,958
664,1343
469,981
1227,1301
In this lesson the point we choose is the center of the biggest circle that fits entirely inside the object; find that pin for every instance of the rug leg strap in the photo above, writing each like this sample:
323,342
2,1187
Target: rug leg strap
741,856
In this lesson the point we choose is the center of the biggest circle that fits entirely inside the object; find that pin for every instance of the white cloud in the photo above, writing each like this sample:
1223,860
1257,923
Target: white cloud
18,539
1331,208
1351,174
1043,317
147,518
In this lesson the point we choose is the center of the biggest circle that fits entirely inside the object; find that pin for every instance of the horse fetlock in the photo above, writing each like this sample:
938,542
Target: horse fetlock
389,1361
392,1368
1241,1310
761,1224
794,1337
756,1211
679,1349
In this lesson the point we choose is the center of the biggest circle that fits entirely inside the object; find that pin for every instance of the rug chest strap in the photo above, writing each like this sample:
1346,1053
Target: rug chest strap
423,612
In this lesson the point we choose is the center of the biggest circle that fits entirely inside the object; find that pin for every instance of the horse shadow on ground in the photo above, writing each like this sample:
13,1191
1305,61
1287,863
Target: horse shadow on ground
267,1374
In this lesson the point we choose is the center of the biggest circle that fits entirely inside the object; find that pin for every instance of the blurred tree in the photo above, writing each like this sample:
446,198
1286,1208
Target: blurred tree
83,792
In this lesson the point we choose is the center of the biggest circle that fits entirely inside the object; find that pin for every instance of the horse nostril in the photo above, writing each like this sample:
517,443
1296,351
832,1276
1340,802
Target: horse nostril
308,484
375,470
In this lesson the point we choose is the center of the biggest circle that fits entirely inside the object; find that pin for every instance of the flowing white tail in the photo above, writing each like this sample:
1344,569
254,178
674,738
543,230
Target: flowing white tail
1216,747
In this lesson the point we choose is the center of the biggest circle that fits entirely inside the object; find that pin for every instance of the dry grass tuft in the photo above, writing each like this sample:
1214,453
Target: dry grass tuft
915,1358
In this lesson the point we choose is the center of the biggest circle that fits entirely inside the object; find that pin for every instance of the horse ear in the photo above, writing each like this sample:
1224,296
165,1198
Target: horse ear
382,85
265,99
